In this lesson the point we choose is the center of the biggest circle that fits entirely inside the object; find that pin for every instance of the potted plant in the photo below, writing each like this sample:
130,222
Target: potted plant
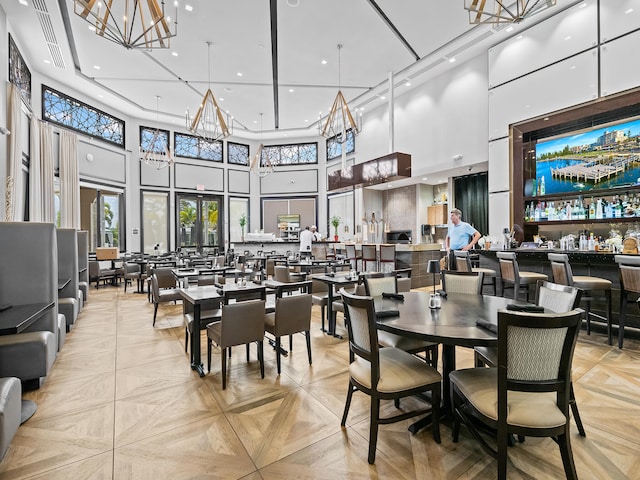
243,222
335,221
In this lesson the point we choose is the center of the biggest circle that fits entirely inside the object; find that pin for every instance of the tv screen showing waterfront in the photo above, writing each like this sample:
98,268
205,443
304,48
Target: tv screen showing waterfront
602,158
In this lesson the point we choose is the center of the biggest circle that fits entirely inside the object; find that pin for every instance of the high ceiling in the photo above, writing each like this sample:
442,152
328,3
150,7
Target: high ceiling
282,71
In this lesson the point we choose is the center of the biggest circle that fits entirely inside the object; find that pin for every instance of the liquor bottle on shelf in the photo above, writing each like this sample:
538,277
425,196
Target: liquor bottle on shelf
542,187
592,209
599,212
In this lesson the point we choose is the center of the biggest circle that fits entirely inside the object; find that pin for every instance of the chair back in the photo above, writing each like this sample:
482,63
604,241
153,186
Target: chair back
294,287
165,277
369,253
242,323
293,314
629,272
270,267
351,251
319,252
508,267
94,269
361,324
463,262
462,282
535,351
557,298
388,253
281,273
318,287
131,268
561,269
206,280
376,284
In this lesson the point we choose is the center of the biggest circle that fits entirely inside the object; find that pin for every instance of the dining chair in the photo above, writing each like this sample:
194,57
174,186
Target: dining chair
163,289
555,298
384,373
629,267
462,282
563,275
369,255
242,323
319,251
320,297
292,315
210,311
283,274
131,272
512,277
528,393
387,257
352,255
403,277
463,264
375,284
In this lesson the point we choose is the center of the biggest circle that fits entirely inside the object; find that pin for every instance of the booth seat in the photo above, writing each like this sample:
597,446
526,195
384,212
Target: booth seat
10,411
69,301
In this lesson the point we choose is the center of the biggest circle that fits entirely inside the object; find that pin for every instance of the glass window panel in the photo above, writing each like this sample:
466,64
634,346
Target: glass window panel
334,145
155,221
194,147
19,73
237,208
154,140
188,216
297,154
210,222
237,153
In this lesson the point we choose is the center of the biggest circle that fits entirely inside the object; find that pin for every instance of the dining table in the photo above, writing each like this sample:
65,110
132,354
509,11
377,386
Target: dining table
333,281
454,324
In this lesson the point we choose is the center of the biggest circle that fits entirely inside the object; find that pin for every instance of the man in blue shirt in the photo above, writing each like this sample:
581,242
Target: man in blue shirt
461,236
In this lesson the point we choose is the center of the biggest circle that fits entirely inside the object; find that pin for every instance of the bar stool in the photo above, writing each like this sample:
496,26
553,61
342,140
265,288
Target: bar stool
563,275
369,255
387,255
463,264
352,255
629,282
512,276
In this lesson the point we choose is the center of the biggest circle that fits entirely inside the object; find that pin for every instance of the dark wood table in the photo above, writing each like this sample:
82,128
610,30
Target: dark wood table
63,282
454,324
334,281
18,318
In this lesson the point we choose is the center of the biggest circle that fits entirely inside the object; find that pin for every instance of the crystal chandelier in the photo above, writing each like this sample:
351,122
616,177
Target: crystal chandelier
156,152
209,121
130,23
504,11
257,167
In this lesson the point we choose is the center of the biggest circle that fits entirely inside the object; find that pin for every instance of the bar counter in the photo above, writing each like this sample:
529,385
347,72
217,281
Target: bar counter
594,264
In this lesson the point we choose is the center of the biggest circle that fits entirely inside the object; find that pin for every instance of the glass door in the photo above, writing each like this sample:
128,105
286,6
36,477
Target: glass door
199,222
100,216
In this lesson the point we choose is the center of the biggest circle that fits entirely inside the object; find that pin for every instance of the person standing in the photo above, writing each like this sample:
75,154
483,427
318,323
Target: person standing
461,236
316,234
306,238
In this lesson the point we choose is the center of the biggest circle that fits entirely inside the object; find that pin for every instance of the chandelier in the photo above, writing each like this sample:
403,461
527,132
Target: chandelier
339,120
130,23
156,152
209,121
504,11
257,167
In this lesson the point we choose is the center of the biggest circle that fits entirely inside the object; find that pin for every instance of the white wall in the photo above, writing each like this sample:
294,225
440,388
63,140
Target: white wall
4,75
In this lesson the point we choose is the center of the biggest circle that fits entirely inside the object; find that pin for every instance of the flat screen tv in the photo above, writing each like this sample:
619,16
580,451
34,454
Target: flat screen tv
600,158
290,221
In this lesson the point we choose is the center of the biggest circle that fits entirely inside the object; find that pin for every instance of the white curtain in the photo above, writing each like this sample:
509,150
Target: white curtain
69,181
41,174
13,188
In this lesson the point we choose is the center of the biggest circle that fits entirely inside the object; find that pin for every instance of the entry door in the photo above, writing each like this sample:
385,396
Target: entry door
199,222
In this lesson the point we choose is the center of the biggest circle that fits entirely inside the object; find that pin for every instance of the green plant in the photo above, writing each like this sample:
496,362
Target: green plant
335,221
243,221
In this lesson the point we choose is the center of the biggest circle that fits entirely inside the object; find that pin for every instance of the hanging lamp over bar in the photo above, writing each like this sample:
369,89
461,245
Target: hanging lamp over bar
258,167
209,121
504,11
130,23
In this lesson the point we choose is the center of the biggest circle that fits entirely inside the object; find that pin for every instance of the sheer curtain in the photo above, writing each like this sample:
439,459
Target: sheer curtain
69,181
41,172
14,187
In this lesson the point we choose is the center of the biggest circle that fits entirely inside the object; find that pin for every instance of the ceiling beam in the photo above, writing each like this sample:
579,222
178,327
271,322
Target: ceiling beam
393,28
274,60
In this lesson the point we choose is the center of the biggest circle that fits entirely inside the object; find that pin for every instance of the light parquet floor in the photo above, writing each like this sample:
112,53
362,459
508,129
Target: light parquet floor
122,403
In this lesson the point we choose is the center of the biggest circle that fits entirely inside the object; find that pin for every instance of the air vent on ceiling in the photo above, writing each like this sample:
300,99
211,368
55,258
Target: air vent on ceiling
40,7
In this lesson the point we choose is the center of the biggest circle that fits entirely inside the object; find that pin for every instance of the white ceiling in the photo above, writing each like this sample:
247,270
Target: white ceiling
129,80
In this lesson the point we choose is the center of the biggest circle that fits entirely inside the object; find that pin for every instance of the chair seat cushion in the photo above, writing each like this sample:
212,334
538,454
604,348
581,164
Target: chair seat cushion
524,409
411,345
204,322
591,283
320,298
532,277
486,272
399,371
169,295
270,322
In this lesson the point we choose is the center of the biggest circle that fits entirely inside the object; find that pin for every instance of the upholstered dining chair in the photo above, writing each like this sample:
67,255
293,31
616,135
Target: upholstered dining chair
387,257
131,272
555,298
629,283
352,255
320,297
512,277
163,289
242,323
384,373
375,284
462,282
528,393
463,264
369,256
292,315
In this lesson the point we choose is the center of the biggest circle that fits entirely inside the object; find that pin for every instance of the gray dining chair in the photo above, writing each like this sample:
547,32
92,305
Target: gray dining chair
163,289
462,282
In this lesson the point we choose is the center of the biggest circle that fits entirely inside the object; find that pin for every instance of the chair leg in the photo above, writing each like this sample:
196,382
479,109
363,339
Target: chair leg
248,352
503,443
278,354
290,343
155,312
224,369
307,335
373,428
575,412
261,357
347,404
186,339
587,312
607,296
209,348
436,394
623,311
567,456
434,356
322,309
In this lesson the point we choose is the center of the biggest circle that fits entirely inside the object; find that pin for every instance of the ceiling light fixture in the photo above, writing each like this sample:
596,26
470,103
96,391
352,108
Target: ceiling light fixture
130,23
209,121
258,167
339,120
504,11
157,153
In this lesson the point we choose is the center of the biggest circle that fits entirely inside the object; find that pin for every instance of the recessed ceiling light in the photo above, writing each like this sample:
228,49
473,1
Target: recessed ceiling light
628,10
188,8
546,119
389,185
568,37
519,37
92,28
582,5
291,90
323,62
47,61
452,59
97,67
509,29
255,121
382,97
175,54
221,99
306,121
572,67
424,178
407,83
239,74
23,2
293,3
100,95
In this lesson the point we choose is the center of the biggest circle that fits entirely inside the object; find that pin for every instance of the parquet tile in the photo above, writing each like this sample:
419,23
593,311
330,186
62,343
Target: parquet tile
121,402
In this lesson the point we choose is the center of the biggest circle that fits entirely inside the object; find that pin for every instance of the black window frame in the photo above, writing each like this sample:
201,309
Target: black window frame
176,146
